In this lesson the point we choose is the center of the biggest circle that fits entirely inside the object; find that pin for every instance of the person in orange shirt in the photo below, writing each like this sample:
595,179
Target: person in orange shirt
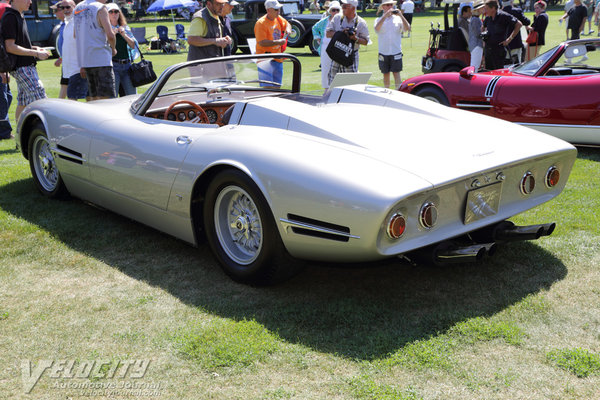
271,32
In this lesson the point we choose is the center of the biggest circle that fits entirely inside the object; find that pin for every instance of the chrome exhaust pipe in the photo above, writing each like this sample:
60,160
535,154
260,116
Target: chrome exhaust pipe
463,254
513,232
548,229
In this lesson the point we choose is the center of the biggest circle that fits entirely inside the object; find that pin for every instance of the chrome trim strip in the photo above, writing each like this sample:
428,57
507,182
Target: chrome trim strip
288,223
467,105
67,154
560,125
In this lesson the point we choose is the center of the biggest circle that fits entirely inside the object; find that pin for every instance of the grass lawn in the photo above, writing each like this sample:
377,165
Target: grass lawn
98,297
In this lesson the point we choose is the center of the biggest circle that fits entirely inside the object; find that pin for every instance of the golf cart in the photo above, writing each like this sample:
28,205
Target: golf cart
447,50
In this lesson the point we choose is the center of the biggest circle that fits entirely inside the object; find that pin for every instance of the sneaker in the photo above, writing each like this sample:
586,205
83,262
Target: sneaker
584,58
590,32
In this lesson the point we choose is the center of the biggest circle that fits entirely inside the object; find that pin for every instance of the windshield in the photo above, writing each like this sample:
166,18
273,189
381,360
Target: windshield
531,67
290,8
242,76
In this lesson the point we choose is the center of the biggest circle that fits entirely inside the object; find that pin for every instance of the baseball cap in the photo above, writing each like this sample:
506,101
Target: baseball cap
112,6
353,3
273,4
233,3
388,2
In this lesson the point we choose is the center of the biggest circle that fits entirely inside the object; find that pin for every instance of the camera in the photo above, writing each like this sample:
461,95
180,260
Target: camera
396,12
350,31
485,35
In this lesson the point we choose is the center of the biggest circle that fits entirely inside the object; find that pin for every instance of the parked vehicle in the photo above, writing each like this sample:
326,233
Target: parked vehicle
42,24
447,50
254,9
266,172
556,92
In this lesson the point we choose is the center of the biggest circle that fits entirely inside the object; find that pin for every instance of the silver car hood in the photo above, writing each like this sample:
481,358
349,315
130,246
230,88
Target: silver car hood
428,140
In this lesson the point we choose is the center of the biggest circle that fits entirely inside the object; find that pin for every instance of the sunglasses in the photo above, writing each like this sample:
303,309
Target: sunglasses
113,12
63,7
334,10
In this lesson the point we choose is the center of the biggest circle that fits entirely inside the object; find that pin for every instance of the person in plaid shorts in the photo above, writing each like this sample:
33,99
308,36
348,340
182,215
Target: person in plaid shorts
348,22
17,42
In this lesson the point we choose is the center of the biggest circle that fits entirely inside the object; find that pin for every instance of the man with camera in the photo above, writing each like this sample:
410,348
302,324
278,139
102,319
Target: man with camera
355,29
389,28
501,30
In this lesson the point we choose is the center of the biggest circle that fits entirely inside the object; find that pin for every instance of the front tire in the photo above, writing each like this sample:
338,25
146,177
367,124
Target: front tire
296,35
434,94
241,231
43,164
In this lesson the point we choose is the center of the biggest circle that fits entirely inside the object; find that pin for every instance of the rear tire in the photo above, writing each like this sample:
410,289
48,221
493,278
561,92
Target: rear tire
43,164
242,233
434,94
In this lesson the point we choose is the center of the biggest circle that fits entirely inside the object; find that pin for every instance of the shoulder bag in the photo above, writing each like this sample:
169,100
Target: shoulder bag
141,73
341,48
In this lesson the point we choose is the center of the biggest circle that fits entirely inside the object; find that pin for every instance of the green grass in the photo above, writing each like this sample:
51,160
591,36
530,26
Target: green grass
81,283
578,361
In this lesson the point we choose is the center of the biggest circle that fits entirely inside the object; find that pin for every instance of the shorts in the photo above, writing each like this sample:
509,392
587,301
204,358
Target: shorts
101,82
77,88
391,63
64,81
29,85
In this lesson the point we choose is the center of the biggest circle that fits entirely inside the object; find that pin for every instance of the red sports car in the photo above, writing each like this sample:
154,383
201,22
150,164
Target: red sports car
557,93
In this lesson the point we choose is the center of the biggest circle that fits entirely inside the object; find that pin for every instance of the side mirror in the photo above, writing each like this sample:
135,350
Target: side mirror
467,72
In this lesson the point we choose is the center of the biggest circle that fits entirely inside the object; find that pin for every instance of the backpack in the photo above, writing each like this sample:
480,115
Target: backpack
8,61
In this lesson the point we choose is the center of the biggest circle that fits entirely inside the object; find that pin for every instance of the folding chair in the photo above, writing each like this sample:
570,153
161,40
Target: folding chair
140,35
167,44
180,35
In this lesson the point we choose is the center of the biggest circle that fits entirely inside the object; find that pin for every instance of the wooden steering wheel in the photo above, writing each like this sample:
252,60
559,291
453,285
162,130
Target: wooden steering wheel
201,118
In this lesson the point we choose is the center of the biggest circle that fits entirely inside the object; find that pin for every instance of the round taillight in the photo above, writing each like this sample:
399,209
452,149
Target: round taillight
396,226
527,183
552,177
428,215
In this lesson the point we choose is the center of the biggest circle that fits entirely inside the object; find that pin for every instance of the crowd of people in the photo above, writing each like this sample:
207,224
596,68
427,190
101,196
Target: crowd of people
96,46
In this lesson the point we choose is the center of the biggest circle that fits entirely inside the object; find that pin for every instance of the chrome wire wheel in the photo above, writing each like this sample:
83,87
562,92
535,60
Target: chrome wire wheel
44,164
238,225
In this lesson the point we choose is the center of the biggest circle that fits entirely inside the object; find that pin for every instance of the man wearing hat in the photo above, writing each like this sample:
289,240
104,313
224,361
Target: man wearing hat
389,28
271,32
206,36
475,40
226,21
355,27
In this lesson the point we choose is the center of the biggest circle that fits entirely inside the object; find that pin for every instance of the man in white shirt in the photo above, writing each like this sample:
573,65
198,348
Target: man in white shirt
408,8
389,28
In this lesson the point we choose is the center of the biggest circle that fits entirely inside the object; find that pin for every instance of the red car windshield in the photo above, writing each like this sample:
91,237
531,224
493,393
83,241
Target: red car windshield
530,68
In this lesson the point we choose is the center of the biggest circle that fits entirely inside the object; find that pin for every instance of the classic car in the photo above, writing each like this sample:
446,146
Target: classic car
265,171
301,24
554,93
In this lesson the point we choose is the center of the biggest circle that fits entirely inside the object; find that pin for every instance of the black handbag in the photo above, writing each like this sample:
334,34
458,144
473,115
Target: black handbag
141,73
341,48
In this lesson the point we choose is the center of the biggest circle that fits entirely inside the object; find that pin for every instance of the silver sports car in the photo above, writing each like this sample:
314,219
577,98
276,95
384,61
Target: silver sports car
231,150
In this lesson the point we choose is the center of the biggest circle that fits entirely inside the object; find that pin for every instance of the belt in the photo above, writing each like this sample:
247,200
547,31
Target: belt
121,60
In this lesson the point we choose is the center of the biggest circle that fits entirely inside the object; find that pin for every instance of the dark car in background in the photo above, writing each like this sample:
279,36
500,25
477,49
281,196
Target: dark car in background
42,24
243,28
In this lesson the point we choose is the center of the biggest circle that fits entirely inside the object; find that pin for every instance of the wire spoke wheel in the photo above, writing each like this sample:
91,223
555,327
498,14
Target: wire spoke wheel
44,164
238,225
